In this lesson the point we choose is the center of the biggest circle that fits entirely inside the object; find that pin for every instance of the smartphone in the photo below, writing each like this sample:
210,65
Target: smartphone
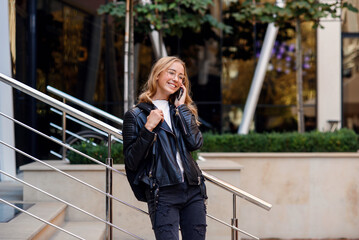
179,94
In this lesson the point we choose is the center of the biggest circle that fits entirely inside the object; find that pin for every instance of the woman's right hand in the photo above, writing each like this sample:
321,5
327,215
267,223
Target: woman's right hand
153,119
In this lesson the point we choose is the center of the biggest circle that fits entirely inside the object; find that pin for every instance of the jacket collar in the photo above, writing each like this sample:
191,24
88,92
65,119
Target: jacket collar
147,107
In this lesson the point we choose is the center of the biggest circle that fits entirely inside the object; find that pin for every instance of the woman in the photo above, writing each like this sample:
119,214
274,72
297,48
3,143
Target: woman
159,134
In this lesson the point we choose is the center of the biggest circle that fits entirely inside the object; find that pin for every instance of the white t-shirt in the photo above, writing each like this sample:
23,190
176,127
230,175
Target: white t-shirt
163,105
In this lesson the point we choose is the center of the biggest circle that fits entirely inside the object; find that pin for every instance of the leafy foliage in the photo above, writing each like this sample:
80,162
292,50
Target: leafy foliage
172,17
304,10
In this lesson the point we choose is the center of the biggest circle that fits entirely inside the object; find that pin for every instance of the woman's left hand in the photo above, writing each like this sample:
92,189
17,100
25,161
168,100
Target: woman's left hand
182,98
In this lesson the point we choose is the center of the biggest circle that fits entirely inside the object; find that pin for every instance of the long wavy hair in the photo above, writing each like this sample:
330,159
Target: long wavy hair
150,87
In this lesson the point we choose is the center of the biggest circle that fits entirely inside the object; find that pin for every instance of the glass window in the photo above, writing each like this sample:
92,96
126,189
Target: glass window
351,83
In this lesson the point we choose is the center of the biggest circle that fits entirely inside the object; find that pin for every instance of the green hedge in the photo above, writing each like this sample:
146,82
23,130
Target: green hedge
343,140
98,152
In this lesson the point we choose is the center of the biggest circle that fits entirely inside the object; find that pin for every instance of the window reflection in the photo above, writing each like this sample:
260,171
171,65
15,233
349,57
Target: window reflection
350,20
276,108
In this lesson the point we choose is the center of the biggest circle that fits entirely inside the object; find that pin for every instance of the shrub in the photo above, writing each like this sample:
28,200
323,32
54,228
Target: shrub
98,152
343,140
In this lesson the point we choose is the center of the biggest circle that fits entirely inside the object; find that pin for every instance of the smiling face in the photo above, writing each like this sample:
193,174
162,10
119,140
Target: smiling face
169,81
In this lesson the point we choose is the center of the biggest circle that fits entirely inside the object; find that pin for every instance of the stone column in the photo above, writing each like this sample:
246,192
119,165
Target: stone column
7,134
329,93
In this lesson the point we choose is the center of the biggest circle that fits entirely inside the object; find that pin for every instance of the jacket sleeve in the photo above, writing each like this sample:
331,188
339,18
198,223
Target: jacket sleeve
191,134
136,141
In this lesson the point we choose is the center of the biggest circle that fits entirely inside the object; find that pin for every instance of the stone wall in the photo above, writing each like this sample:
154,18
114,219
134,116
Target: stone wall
314,195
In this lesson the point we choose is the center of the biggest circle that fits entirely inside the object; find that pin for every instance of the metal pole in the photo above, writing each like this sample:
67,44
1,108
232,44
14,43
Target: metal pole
234,219
131,93
32,7
64,131
126,57
259,75
109,162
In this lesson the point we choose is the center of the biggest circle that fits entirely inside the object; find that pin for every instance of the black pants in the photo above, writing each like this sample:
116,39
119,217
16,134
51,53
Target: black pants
181,205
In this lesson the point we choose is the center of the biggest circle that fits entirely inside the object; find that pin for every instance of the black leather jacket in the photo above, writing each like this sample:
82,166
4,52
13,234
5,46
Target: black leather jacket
138,142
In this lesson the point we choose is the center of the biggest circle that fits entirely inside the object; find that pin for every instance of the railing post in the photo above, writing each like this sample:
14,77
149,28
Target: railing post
234,219
109,162
64,150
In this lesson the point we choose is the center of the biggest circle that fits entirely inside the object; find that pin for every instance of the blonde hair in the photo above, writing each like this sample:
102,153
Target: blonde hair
150,87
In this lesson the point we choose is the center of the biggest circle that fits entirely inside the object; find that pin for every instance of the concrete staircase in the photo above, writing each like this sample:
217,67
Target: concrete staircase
24,226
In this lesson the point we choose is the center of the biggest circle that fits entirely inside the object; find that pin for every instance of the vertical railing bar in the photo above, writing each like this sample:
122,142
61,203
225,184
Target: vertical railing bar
234,219
64,150
109,162
40,219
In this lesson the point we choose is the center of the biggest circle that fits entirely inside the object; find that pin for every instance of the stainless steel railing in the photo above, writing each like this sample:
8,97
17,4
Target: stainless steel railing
107,194
84,105
111,131
66,109
61,106
68,204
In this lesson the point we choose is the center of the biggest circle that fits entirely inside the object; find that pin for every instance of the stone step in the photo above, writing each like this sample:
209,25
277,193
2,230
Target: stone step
24,226
86,230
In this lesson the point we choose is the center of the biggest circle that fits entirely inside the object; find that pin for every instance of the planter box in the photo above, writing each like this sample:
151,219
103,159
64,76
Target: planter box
219,203
314,195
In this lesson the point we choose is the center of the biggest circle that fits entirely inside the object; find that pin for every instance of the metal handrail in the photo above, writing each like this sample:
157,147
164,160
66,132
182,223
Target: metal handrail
69,204
84,105
60,105
112,131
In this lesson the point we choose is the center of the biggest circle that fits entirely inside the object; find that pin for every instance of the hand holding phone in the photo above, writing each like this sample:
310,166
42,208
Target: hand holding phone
180,99
179,94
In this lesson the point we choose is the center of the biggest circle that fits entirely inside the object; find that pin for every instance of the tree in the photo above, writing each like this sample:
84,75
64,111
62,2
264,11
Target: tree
295,12
171,17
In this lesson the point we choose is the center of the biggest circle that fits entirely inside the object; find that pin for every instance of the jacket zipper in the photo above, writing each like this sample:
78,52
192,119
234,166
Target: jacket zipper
154,139
177,149
180,117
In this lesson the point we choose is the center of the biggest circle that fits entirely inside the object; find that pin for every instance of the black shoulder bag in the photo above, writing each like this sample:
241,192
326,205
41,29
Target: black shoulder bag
142,179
